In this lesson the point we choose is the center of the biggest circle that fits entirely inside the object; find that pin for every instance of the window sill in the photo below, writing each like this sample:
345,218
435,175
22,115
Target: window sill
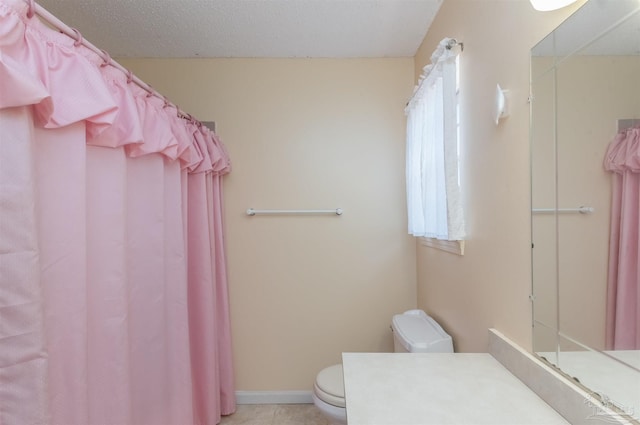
453,247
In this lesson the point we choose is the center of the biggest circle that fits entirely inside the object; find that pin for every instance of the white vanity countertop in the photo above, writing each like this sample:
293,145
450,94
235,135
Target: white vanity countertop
438,389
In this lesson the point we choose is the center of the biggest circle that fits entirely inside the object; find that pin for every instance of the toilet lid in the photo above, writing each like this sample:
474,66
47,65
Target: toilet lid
329,386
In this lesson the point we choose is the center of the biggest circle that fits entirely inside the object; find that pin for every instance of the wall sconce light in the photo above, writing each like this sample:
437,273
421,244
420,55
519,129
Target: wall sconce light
546,5
502,104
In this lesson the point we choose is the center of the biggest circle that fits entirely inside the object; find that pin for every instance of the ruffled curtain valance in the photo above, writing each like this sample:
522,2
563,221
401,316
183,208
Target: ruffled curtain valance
431,72
623,153
67,83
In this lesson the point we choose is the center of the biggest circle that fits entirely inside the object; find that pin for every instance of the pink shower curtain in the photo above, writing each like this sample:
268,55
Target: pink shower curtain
623,291
113,292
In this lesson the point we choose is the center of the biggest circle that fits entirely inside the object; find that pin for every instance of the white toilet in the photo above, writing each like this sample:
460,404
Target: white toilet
413,332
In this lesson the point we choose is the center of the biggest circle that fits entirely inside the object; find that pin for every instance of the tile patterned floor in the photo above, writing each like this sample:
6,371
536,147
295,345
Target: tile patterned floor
275,414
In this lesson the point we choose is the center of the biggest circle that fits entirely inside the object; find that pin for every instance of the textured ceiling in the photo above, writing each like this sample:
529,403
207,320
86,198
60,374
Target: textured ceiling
250,28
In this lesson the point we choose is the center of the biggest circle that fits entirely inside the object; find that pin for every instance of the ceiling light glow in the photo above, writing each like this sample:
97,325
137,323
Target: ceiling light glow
546,5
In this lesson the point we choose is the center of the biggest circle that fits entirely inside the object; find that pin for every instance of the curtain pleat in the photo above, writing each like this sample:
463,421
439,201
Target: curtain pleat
23,356
201,314
225,354
113,290
108,286
61,229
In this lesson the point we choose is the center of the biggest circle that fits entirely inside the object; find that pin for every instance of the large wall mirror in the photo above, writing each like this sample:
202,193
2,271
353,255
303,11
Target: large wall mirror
585,107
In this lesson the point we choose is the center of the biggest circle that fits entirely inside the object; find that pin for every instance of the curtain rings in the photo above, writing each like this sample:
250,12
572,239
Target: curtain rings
106,58
78,39
129,76
32,9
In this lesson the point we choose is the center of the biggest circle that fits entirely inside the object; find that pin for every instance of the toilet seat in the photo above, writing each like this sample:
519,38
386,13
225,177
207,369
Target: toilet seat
329,386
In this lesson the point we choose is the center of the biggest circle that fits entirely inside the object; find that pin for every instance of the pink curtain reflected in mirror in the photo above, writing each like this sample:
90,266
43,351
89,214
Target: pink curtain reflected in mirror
623,287
113,289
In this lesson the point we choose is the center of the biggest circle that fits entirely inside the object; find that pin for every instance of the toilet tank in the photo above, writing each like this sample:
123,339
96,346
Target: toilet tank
416,332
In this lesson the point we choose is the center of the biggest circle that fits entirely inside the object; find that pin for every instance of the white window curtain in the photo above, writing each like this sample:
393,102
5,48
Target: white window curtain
433,189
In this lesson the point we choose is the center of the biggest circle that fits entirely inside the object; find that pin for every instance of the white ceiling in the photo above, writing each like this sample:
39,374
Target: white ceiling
250,28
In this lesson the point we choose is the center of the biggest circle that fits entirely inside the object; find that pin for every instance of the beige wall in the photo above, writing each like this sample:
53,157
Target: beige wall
330,133
489,286
306,133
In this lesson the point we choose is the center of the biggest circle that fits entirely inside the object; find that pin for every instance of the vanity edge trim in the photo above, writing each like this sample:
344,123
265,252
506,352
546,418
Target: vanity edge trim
573,402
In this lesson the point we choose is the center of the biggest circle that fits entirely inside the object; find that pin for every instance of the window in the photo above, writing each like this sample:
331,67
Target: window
433,182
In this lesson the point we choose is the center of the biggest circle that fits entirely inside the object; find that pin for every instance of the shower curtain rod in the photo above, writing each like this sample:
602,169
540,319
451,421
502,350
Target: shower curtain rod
35,8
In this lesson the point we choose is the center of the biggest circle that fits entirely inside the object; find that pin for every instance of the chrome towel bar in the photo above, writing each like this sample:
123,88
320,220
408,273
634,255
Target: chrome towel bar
581,210
252,212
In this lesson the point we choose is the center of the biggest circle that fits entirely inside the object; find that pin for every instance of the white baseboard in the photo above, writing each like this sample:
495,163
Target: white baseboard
273,397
